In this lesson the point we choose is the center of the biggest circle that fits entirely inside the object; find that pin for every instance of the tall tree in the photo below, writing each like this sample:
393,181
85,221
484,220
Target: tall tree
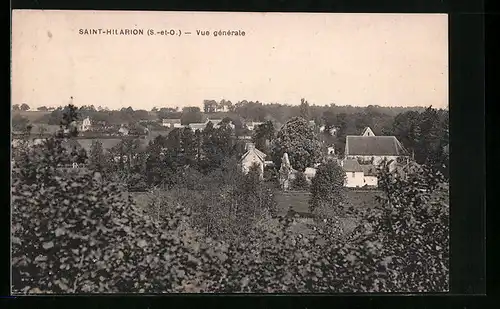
16,107
188,145
297,139
304,109
97,160
263,135
327,188
191,114
25,107
329,119
19,122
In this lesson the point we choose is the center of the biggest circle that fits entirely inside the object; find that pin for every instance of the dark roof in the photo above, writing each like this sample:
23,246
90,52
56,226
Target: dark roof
373,146
369,169
350,165
171,120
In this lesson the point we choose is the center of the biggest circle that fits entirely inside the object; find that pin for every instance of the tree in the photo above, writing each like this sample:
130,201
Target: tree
327,188
191,114
188,145
25,107
209,106
97,160
42,129
300,182
329,119
297,139
16,107
263,135
43,108
304,109
19,122
68,122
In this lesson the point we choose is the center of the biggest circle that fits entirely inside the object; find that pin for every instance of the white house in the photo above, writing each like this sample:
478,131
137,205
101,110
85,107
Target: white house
354,173
372,149
310,172
171,123
333,130
253,156
123,130
253,125
85,125
202,125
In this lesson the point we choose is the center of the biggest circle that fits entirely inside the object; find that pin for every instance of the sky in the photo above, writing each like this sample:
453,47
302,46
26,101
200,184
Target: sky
346,59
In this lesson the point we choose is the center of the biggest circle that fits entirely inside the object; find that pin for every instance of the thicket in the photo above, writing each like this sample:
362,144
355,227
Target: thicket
216,232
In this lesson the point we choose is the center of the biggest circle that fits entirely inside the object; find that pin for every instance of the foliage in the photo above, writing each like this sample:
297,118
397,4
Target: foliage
191,115
217,232
327,189
300,182
425,134
19,123
263,135
304,109
97,159
298,140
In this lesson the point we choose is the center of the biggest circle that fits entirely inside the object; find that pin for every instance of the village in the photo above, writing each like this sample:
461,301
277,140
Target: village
363,153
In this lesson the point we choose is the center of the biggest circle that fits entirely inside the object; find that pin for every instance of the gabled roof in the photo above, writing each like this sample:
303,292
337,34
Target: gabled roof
257,152
367,132
350,165
373,146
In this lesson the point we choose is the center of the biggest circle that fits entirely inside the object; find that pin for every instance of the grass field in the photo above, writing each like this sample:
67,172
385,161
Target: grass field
299,201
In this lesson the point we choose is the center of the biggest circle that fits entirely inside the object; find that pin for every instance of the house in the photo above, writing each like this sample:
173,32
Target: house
84,125
333,130
123,130
310,173
354,173
253,125
202,125
330,151
171,123
253,156
375,149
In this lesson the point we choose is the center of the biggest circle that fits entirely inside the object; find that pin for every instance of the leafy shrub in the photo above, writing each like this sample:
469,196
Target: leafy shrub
327,188
71,233
300,182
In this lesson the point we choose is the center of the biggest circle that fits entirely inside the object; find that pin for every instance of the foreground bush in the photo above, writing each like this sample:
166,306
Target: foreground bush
73,233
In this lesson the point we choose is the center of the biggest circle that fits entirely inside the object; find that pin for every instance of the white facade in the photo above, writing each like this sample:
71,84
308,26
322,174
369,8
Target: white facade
310,172
250,159
123,131
252,125
86,124
371,181
354,179
368,132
